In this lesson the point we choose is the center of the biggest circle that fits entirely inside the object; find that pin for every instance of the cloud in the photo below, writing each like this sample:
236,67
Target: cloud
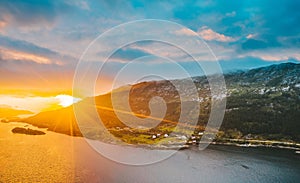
279,57
185,32
41,35
128,54
21,56
250,36
206,34
161,49
210,35
31,13
2,24
19,50
273,54
147,48
21,45
240,19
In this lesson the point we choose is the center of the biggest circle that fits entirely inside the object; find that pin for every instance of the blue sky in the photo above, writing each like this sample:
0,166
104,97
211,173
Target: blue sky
41,41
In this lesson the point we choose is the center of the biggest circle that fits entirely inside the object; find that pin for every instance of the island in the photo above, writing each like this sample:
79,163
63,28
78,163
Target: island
27,131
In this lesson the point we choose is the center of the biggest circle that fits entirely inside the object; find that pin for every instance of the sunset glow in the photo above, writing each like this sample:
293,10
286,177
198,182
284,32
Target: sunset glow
149,91
66,100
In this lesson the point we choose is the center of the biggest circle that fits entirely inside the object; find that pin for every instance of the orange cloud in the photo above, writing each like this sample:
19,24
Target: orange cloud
22,56
206,33
209,35
274,54
2,24
186,32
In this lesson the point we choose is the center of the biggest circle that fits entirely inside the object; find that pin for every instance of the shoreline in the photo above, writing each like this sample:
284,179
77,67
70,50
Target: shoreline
259,143
256,146
245,143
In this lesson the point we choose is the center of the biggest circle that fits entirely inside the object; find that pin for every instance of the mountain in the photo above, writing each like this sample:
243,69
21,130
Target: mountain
61,121
286,74
8,112
265,101
262,103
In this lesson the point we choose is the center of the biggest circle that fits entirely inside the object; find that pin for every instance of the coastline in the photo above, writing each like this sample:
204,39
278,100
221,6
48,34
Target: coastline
244,143
249,145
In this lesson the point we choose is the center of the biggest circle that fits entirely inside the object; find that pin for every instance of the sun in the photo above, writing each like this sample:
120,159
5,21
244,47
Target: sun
66,100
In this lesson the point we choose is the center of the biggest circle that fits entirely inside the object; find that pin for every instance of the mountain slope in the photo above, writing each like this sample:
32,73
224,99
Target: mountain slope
265,101
262,103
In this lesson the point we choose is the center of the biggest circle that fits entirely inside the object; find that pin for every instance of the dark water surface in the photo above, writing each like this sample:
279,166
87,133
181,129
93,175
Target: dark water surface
60,158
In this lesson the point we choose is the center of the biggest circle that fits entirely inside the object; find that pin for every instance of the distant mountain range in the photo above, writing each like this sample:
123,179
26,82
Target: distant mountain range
262,103
8,112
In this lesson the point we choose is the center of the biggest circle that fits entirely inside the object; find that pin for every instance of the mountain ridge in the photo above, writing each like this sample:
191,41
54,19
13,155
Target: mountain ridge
262,103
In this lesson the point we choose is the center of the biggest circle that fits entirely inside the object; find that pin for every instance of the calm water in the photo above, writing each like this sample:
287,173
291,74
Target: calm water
60,158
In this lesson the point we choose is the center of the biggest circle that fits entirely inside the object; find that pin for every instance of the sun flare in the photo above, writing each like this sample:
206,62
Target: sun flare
66,100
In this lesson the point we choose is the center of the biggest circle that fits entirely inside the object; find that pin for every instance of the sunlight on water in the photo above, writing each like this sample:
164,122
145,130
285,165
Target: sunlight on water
26,158
60,158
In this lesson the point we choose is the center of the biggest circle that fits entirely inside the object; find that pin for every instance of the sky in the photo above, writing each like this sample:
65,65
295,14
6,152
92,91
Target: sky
41,41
